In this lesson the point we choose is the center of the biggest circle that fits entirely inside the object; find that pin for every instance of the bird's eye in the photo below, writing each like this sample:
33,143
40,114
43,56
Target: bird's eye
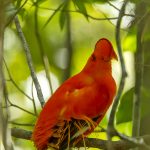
93,57
105,59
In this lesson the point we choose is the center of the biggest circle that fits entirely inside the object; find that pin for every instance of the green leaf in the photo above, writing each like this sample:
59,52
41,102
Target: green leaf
62,19
18,3
63,15
124,113
22,13
80,5
54,13
38,2
100,1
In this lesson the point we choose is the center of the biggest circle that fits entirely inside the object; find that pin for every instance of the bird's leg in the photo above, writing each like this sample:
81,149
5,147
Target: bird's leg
63,133
82,134
68,134
89,121
58,134
62,136
80,130
53,146
88,124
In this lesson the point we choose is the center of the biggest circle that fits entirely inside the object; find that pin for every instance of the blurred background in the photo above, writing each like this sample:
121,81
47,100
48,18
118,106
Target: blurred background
61,35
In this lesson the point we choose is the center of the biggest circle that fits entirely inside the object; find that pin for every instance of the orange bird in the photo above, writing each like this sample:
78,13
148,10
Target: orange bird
79,104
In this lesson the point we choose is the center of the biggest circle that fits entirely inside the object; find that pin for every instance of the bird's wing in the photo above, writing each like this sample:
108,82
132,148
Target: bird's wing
85,96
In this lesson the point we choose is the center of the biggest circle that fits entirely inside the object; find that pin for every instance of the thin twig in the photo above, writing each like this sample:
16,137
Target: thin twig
29,61
20,124
48,71
123,76
87,15
130,15
56,10
17,11
14,105
34,105
14,83
74,11
42,52
94,18
113,5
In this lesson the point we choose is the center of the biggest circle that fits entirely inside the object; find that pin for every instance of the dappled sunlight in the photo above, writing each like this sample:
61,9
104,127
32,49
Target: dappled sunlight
10,41
1,145
44,86
112,10
61,55
129,63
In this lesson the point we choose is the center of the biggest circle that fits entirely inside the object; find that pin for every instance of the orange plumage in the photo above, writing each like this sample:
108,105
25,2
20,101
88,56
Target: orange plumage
79,103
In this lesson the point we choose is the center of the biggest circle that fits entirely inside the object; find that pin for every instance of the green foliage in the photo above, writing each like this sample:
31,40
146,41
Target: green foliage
63,15
99,1
51,16
81,6
62,19
38,2
129,44
18,3
124,113
125,128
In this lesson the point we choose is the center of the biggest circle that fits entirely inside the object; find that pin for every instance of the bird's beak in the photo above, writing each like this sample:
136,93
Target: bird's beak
114,55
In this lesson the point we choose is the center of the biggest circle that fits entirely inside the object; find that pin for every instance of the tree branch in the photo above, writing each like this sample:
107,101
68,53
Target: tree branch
90,142
87,15
16,106
124,73
4,114
68,45
139,57
14,83
21,124
16,12
29,61
44,58
3,130
111,128
21,133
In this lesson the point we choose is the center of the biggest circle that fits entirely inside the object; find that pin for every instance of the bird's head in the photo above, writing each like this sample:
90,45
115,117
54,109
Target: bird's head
101,58
104,50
